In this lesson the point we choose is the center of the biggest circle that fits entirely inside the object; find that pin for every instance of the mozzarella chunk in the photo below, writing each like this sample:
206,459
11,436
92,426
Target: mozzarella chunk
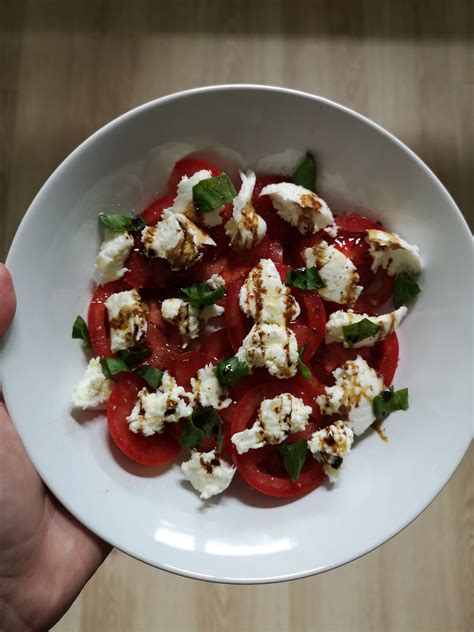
265,298
151,411
330,445
207,391
127,319
299,207
276,419
93,390
245,228
215,282
337,271
271,346
352,395
340,319
183,202
189,320
208,473
113,253
176,239
391,252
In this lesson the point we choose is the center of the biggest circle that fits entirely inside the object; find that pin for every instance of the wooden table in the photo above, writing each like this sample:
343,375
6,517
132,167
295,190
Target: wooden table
69,66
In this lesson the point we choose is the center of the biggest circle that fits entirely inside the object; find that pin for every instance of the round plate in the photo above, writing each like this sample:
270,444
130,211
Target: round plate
151,513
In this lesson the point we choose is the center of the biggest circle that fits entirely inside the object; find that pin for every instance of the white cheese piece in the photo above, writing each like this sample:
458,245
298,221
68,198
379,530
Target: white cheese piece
207,391
265,298
215,282
338,320
176,239
271,346
299,207
189,320
208,473
352,395
113,253
168,404
183,202
93,390
391,252
330,445
337,271
245,228
331,231
127,319
277,418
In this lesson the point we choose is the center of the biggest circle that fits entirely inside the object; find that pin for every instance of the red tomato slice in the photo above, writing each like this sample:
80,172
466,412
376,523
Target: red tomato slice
237,324
389,352
97,319
217,345
137,264
354,223
155,450
262,468
377,292
163,339
185,366
277,228
187,167
152,214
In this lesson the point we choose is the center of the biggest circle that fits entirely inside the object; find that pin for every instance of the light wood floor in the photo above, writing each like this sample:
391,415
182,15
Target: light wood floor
69,66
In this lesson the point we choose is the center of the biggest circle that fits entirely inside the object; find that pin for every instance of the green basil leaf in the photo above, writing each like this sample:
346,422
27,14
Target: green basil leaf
201,295
113,366
404,290
121,223
151,375
204,422
231,370
388,401
356,332
305,174
132,357
304,279
81,332
294,457
304,369
213,193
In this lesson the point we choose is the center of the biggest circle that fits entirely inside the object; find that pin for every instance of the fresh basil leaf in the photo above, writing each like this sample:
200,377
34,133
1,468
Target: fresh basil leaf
231,370
113,366
304,279
357,332
121,223
132,357
213,193
151,375
294,457
305,174
204,422
81,332
304,369
201,295
404,290
388,401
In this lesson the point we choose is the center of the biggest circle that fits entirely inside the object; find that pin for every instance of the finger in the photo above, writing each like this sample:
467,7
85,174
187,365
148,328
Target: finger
7,299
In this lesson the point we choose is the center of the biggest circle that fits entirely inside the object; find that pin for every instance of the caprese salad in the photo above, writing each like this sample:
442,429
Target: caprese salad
246,323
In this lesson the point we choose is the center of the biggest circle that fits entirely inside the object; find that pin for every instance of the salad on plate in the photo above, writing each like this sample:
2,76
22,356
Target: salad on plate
248,324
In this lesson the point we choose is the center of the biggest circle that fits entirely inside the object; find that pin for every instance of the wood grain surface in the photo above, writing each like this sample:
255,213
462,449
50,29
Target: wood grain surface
69,66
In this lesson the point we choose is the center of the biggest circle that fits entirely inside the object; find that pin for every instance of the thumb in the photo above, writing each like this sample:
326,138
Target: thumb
7,299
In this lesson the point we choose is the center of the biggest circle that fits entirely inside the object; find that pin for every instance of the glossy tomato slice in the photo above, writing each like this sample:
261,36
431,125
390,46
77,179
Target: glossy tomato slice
162,338
137,264
354,223
155,450
262,468
187,167
97,319
185,366
152,214
377,292
277,228
217,345
388,350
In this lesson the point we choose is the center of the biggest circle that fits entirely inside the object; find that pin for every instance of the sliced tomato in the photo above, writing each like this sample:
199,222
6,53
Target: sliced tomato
237,324
277,228
152,214
263,468
189,166
137,264
97,319
162,338
389,353
354,223
376,293
155,450
217,345
185,366
313,316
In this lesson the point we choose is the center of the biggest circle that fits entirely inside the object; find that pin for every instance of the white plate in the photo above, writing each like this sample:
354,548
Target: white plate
152,515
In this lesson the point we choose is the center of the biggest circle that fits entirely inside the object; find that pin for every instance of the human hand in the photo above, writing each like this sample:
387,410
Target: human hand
46,556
